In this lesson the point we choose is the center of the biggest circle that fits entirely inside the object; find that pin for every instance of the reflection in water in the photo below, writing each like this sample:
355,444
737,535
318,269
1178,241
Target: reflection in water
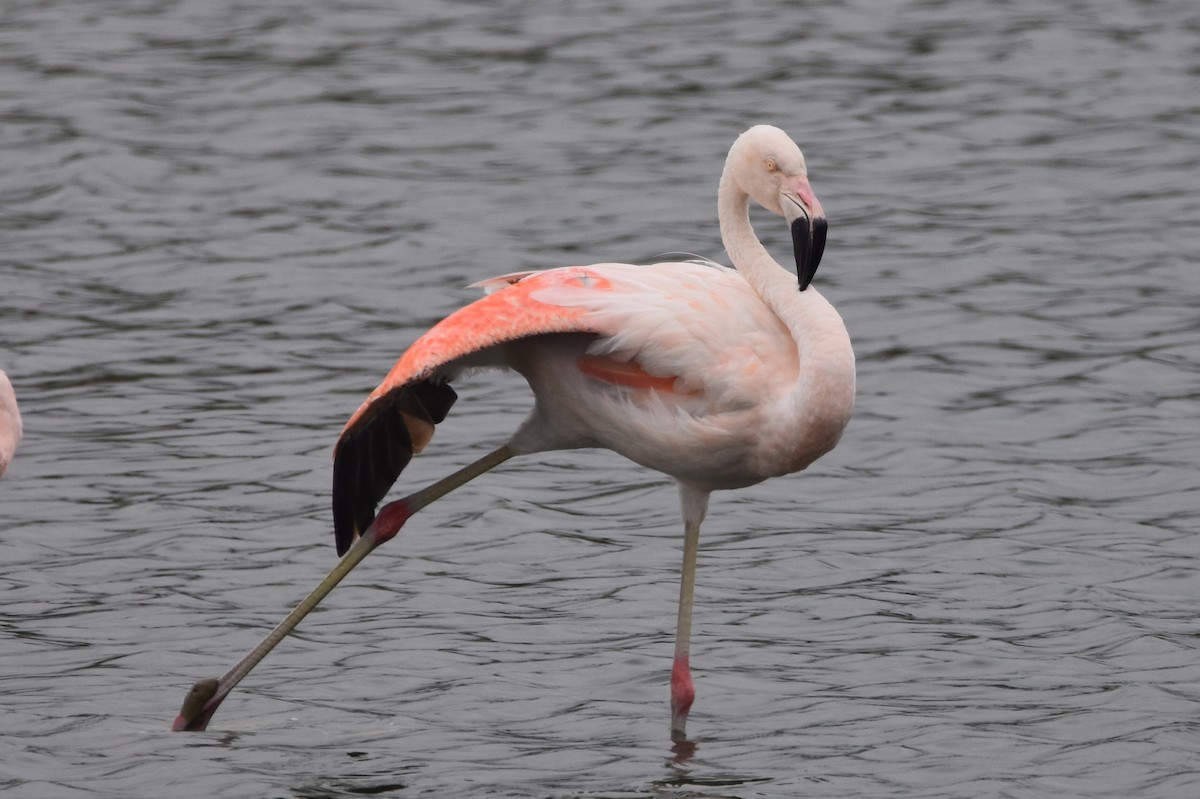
682,751
696,783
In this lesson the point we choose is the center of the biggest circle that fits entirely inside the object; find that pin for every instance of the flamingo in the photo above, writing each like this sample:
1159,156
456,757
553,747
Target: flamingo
717,377
10,423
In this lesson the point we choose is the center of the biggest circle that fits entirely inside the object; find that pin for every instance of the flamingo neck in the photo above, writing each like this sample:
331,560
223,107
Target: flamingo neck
776,285
823,394
745,250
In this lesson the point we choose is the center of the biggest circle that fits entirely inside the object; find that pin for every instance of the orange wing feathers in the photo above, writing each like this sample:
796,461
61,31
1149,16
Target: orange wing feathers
629,374
506,315
397,419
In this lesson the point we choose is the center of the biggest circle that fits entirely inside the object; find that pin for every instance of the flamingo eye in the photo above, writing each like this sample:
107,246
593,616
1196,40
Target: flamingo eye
770,164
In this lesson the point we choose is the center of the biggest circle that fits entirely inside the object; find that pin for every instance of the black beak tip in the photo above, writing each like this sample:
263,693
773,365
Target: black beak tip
808,241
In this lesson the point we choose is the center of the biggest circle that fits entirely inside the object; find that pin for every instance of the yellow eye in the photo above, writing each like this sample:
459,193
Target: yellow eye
771,165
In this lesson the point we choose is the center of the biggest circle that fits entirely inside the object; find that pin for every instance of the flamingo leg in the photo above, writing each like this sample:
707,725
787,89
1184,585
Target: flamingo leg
207,694
695,504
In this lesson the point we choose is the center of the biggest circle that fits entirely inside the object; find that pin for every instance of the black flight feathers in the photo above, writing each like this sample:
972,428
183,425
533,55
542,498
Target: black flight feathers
372,454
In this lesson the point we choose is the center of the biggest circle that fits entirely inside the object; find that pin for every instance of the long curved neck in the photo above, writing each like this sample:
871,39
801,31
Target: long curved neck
815,325
775,285
820,400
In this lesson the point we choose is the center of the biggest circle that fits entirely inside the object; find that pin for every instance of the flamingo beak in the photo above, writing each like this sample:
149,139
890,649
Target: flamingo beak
804,214
808,241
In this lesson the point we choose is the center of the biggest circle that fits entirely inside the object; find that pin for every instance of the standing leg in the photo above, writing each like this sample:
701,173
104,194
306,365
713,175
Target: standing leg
695,505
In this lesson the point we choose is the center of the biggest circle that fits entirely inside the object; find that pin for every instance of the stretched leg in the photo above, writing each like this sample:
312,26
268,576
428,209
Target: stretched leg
207,694
695,504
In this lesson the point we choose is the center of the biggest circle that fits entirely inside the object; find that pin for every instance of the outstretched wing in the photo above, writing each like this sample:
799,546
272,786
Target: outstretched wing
397,420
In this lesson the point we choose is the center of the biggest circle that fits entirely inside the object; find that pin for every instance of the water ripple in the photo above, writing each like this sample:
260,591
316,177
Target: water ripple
222,222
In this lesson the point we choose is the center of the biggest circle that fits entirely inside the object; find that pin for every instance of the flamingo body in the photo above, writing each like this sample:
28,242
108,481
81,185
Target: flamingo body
10,423
680,367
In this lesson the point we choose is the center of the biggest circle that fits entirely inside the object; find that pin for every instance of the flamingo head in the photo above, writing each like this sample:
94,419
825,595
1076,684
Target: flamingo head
769,167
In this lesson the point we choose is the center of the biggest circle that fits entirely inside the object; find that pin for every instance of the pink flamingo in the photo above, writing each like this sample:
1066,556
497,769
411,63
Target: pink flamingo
717,377
10,423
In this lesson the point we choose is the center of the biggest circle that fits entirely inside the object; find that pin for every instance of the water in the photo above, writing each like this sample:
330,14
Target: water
221,222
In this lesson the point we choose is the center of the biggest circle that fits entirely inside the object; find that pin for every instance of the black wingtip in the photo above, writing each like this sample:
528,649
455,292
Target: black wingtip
372,454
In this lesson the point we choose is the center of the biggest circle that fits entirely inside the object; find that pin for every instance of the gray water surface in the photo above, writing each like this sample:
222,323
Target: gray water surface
220,223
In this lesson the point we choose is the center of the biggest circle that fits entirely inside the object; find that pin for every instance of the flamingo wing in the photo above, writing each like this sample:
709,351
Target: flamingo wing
397,420
681,339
